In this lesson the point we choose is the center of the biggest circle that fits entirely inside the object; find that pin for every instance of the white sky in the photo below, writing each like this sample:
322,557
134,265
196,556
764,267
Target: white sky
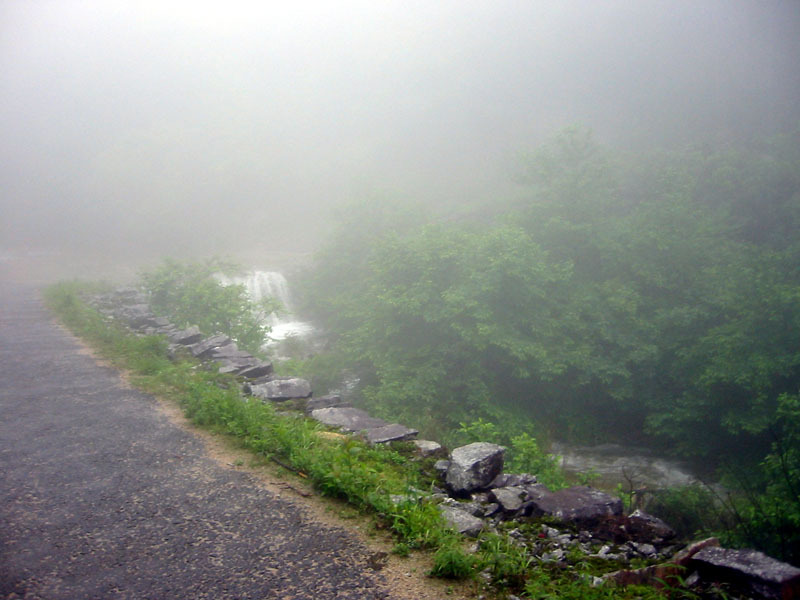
190,126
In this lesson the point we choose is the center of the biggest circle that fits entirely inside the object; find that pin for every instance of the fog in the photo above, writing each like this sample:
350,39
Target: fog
134,130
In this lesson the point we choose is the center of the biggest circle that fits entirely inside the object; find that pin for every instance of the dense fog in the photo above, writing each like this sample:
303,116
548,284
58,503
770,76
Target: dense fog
134,130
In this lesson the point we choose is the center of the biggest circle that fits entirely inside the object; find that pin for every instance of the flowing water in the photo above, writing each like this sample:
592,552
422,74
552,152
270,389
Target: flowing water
633,467
261,285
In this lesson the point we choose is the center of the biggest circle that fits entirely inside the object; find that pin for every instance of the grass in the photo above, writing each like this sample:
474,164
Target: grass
365,477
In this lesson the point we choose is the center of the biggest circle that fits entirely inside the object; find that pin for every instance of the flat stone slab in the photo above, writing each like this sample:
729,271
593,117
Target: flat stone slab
278,390
390,433
186,337
349,419
328,401
259,369
206,347
749,570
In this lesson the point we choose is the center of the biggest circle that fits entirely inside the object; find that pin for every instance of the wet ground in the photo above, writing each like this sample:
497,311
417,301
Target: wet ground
101,497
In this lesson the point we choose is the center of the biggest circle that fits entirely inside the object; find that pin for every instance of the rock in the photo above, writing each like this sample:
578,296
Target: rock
510,499
204,348
227,351
460,520
279,390
662,574
512,480
349,419
260,369
390,433
647,528
186,337
328,401
751,571
235,365
138,316
647,550
428,448
578,504
473,467
441,466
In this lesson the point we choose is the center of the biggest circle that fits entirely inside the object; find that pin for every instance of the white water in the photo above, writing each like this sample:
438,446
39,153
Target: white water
261,285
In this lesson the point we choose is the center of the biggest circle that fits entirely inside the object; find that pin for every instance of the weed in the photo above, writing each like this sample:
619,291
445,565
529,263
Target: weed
451,562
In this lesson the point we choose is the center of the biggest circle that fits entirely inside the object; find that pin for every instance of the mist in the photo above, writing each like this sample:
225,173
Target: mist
132,131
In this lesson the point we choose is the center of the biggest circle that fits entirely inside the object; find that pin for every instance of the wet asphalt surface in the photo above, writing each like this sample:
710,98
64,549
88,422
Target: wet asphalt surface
102,497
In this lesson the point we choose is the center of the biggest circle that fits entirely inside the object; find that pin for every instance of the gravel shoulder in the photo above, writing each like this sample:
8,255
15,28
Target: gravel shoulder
107,492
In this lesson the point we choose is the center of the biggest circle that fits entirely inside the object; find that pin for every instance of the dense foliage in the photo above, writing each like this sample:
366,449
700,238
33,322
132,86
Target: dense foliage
614,298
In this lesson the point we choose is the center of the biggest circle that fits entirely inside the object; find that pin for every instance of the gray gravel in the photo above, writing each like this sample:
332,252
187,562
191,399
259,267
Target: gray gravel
101,497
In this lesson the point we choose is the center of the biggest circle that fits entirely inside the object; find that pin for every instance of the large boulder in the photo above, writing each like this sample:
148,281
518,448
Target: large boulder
349,419
279,390
579,504
473,467
749,571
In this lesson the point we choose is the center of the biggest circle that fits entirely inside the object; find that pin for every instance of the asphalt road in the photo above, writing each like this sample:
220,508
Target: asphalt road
102,497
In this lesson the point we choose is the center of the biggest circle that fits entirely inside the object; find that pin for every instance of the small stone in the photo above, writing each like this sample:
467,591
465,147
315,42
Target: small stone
463,522
426,448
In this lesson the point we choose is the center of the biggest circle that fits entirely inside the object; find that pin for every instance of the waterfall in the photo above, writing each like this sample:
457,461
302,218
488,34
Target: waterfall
271,284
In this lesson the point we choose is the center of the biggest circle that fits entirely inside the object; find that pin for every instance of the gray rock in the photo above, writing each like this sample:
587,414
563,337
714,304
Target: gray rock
390,433
647,528
278,390
234,365
138,316
426,448
327,401
228,351
512,480
749,570
579,504
261,368
349,419
186,337
460,520
204,348
441,466
644,549
473,467
510,499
